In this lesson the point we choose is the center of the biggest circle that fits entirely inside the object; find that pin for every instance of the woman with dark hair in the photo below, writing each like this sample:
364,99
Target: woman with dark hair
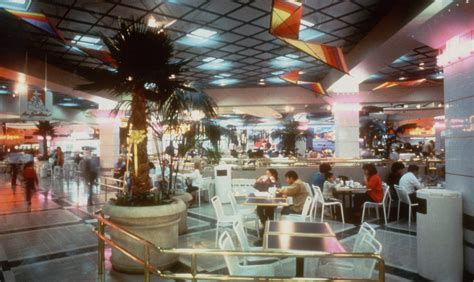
31,180
373,182
270,179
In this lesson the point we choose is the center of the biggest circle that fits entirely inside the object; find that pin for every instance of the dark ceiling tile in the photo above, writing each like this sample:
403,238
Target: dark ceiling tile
225,23
221,7
246,14
248,42
173,10
249,52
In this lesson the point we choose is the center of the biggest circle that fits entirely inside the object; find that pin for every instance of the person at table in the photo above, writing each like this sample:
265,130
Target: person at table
393,178
329,187
320,177
269,179
410,183
373,182
295,189
194,181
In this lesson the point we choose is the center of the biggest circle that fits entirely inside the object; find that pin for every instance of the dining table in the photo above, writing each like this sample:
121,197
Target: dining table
266,199
300,236
347,192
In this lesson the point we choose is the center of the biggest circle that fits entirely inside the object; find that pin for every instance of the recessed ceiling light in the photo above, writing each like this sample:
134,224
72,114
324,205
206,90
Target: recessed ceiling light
421,68
172,76
402,78
261,83
405,106
440,105
301,72
208,59
293,56
261,79
278,72
439,76
418,106
70,105
328,107
87,42
422,64
202,33
226,74
222,84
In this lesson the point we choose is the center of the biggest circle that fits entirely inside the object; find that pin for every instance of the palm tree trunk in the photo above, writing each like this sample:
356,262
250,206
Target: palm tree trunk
140,181
45,147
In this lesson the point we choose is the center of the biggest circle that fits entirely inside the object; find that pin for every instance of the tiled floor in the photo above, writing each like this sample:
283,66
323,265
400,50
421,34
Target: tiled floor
53,241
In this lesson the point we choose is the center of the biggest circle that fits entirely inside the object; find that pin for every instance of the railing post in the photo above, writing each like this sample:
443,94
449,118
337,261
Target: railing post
381,270
194,266
101,248
146,260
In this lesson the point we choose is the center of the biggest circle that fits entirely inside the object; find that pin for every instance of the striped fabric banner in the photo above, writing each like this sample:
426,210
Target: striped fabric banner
39,21
294,78
285,24
407,83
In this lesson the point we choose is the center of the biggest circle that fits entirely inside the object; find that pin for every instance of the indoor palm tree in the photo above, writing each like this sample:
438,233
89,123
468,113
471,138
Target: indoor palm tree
45,129
146,72
289,135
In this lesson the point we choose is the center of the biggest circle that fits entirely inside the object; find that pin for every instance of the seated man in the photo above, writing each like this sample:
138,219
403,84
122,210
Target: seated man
295,189
410,183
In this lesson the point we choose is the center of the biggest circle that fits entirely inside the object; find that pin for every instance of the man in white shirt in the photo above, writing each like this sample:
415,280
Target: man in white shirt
410,182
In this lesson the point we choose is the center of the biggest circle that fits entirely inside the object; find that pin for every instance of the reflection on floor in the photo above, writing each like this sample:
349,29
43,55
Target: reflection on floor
52,240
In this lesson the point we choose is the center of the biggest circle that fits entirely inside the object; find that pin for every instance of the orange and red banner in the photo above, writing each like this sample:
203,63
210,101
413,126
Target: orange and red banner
285,24
294,78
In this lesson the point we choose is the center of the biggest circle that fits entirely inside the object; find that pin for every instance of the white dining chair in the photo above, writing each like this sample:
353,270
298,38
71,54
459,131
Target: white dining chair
223,220
403,197
203,186
305,215
244,212
234,266
367,205
320,200
355,268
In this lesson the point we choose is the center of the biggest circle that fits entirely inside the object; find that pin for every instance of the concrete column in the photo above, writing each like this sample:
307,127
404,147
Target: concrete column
109,144
459,142
346,117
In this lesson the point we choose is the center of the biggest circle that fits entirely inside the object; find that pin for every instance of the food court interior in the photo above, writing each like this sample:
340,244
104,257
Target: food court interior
233,140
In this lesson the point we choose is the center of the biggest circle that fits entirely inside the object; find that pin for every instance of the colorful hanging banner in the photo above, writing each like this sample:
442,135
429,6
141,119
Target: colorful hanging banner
285,24
101,55
39,21
36,105
406,83
294,78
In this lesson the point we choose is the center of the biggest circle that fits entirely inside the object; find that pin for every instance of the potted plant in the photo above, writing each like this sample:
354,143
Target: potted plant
45,129
289,135
150,83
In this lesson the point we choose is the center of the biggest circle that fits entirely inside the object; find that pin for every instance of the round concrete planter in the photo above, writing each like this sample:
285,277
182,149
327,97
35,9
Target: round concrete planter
183,222
157,224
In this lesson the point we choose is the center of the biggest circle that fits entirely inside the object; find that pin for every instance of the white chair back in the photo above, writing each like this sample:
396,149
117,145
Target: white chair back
241,235
219,210
364,268
233,202
308,189
386,192
307,206
232,262
318,194
402,195
365,229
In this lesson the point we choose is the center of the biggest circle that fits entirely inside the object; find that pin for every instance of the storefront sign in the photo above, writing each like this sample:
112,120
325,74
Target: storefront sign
36,105
10,137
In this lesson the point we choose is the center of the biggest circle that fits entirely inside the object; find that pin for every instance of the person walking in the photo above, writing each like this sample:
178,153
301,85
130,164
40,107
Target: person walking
31,180
13,161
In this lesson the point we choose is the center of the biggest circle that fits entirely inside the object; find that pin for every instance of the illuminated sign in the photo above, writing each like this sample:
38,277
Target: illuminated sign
10,137
19,5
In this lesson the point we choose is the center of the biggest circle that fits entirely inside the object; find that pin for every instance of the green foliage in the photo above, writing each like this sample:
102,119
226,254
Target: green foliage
289,135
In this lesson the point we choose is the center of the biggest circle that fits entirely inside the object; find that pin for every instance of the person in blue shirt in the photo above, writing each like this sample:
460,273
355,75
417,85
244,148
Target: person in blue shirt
319,177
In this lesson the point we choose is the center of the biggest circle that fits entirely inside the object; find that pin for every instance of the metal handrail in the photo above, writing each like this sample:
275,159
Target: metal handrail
194,275
106,185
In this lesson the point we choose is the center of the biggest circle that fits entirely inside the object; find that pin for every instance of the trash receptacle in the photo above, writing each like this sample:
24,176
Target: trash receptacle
439,235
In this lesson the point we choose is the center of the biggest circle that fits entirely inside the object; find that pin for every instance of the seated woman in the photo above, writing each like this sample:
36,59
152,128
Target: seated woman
193,181
373,183
270,179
